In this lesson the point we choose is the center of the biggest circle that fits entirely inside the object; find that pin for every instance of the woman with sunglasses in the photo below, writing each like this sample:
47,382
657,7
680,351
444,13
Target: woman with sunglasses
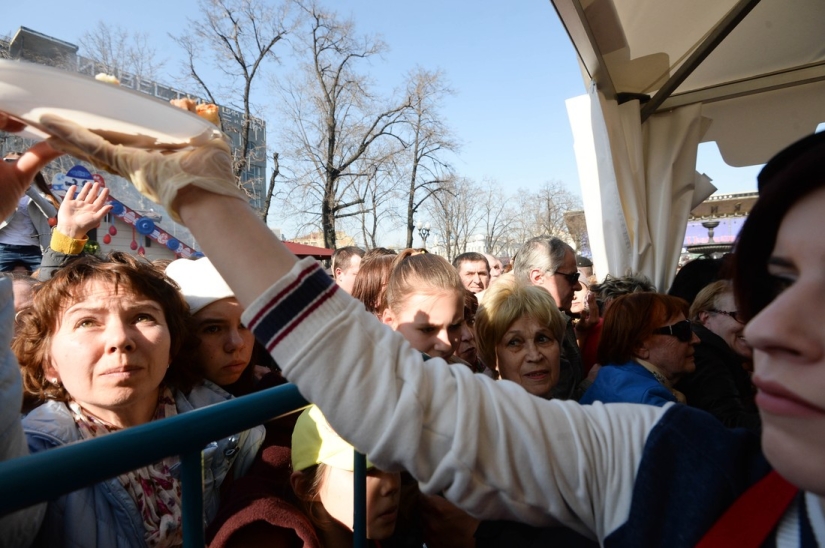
646,348
721,384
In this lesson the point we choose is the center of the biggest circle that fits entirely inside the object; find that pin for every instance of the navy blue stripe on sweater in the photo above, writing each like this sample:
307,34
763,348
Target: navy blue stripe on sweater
290,306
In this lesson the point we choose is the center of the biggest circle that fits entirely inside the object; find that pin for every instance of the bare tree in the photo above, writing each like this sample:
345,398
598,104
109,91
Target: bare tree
454,214
119,51
497,217
270,191
335,118
541,213
429,139
377,191
236,37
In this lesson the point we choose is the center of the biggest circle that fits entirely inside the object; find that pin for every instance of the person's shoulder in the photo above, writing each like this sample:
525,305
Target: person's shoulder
49,425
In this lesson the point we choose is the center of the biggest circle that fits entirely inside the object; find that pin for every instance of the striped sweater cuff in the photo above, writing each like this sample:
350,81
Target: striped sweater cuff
288,303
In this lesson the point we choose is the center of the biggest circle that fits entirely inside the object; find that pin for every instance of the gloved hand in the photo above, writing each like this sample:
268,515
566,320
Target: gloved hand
157,175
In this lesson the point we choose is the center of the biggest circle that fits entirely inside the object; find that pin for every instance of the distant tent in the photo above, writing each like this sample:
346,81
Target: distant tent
302,250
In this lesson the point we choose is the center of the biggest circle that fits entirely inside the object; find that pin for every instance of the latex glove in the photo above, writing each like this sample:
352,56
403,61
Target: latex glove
157,175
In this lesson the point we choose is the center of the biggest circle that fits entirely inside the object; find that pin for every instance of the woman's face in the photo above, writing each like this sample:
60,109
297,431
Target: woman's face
671,356
730,330
225,343
528,354
111,352
788,337
383,494
431,322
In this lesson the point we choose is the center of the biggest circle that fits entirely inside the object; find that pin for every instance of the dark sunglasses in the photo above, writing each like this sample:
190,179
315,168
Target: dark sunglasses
732,313
571,278
680,330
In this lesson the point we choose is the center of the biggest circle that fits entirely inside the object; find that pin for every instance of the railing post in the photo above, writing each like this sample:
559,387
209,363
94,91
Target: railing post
359,502
192,487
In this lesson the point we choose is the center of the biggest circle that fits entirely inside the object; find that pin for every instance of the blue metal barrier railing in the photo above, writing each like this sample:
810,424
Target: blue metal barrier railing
45,476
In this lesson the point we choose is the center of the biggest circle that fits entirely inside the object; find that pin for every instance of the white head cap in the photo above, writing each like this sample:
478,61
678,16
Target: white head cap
199,282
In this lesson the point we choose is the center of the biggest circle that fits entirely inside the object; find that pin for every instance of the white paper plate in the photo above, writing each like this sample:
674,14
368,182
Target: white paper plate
121,115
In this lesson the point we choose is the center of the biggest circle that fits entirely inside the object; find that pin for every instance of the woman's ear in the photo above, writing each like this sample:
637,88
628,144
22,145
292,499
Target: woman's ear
703,317
642,350
50,372
387,316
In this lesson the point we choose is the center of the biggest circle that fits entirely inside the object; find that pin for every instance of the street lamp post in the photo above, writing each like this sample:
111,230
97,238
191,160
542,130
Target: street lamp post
423,231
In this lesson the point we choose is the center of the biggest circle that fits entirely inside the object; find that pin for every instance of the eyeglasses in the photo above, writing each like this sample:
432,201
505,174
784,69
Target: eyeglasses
732,313
572,278
680,330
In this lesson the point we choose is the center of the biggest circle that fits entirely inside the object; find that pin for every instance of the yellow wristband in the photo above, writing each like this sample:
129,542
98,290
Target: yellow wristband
64,244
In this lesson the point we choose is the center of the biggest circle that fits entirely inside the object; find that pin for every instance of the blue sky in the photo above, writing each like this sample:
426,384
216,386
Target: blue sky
511,64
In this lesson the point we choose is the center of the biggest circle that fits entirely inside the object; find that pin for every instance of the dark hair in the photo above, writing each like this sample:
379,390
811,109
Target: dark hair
377,252
371,282
615,286
342,257
787,178
630,319
471,257
38,323
692,277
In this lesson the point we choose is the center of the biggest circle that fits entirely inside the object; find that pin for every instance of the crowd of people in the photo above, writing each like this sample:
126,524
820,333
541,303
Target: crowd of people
525,403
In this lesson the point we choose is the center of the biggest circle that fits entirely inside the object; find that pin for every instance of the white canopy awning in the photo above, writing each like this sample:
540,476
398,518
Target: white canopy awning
667,75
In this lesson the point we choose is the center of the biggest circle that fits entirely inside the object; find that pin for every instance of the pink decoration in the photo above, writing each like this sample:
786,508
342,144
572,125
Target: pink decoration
107,239
113,230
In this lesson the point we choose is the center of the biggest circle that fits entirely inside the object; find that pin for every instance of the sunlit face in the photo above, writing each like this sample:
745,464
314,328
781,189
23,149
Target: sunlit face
730,330
225,343
431,322
495,267
528,354
474,275
383,494
346,277
558,286
579,298
111,351
672,357
788,337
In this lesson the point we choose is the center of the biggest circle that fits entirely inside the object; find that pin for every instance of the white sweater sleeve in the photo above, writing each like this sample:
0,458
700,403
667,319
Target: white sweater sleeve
494,450
18,528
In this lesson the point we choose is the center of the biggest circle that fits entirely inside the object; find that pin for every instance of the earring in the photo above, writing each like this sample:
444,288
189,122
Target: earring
56,382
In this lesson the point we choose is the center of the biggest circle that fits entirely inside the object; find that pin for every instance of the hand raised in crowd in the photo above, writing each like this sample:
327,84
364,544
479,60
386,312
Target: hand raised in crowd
157,175
16,176
80,214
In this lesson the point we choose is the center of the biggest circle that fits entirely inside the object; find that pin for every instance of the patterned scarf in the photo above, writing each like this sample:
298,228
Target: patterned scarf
155,491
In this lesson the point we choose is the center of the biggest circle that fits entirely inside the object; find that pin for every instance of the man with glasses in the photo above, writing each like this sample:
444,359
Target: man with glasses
551,263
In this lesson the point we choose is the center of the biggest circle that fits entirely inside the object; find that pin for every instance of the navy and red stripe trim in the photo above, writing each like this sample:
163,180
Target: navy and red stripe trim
292,305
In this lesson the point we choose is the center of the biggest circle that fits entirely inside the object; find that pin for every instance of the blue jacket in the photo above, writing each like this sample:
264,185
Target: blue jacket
104,514
627,383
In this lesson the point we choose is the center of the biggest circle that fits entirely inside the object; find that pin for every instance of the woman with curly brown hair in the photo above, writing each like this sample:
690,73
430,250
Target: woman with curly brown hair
104,347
